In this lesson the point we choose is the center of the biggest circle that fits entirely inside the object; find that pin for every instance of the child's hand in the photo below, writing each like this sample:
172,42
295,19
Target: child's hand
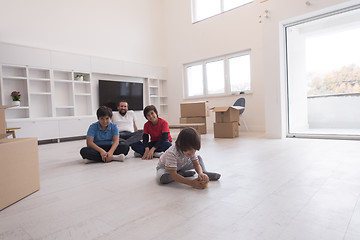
109,157
103,155
203,178
195,183
149,154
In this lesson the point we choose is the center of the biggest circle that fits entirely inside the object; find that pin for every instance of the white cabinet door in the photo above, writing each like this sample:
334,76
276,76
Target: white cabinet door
75,127
42,130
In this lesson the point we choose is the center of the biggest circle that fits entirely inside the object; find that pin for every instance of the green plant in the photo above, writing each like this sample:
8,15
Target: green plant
79,76
15,95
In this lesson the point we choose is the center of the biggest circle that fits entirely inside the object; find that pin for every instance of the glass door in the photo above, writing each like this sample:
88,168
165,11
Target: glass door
323,75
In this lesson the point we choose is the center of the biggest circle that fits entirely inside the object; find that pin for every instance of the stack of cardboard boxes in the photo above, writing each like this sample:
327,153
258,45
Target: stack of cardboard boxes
19,166
226,121
194,112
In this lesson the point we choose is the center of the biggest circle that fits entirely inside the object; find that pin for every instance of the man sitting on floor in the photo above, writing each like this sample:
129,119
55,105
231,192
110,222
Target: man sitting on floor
125,120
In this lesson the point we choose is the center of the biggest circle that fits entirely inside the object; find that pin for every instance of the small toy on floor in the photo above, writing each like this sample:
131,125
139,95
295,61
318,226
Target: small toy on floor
204,183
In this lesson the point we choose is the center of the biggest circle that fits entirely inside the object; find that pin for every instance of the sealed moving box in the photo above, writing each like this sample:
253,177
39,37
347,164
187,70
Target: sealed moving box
194,109
226,121
226,130
195,120
19,166
19,169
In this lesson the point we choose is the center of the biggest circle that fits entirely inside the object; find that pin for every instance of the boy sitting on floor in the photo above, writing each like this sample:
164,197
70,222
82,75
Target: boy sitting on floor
102,139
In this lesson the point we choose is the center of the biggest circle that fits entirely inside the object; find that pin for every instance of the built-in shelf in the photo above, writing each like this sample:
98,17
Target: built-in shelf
46,93
156,94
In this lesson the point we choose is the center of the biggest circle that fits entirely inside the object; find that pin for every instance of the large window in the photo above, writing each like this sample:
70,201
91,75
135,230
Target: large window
202,9
223,75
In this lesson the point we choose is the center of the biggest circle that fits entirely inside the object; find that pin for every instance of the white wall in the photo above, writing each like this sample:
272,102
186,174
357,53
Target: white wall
232,31
126,30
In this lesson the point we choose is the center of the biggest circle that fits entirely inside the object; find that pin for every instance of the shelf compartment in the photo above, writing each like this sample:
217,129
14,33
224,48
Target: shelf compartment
36,73
82,87
163,109
40,106
153,82
17,112
163,100
15,84
64,111
63,94
86,77
62,75
14,71
39,86
154,91
83,105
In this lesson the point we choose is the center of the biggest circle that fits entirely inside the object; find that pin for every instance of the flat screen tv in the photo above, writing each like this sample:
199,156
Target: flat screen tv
111,92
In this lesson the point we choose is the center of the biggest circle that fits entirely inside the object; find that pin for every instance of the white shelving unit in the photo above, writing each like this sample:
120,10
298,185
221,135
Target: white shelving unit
157,89
54,103
49,98
46,93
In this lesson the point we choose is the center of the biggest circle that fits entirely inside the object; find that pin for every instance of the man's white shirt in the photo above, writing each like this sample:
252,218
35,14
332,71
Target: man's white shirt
126,122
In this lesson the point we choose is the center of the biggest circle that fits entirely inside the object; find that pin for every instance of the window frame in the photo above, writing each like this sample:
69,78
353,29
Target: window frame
222,4
227,84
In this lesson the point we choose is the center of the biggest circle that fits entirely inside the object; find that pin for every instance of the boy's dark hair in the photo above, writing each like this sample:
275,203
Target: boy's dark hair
188,138
103,111
147,109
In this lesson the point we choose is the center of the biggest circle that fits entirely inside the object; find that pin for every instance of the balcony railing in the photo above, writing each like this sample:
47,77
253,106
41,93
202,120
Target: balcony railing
338,111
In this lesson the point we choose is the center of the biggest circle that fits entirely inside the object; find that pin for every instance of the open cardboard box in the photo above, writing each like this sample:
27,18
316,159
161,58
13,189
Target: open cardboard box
226,121
227,114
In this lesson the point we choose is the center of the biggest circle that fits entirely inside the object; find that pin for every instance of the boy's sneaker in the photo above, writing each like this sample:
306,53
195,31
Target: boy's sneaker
137,154
86,161
213,176
157,154
165,178
119,158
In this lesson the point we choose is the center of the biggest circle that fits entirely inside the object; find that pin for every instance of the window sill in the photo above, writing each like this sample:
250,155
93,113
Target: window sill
219,95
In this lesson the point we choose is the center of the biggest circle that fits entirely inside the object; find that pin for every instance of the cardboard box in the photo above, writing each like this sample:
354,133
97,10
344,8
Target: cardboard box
226,130
19,169
227,114
195,120
194,109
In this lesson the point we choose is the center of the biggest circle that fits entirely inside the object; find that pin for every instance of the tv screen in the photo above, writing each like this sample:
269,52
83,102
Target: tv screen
111,92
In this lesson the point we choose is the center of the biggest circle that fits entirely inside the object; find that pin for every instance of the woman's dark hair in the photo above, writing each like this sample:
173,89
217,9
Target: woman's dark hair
188,138
103,111
147,109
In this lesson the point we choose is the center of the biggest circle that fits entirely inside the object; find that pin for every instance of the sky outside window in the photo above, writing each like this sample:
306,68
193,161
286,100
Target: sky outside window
195,80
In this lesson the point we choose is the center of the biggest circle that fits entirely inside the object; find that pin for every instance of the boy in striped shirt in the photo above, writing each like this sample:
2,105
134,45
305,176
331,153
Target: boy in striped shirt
175,163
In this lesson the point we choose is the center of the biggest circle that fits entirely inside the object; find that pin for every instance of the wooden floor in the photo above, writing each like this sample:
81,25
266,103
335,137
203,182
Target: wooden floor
270,189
